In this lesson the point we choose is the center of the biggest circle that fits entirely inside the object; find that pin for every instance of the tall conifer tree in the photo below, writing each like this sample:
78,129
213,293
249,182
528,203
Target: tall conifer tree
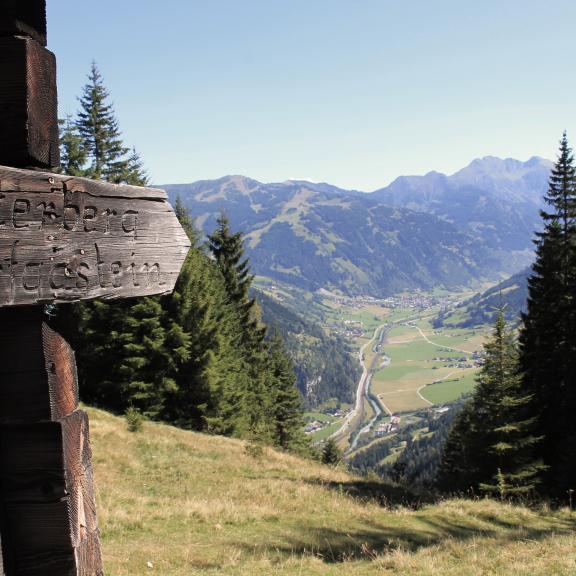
285,401
98,127
490,447
199,305
73,151
548,337
228,251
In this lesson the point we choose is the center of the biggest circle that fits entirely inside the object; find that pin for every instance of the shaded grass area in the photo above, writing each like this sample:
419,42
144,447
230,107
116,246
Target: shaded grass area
191,504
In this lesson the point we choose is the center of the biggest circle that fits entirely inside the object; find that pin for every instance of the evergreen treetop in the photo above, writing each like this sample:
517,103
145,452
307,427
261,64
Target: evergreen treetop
228,251
73,151
98,127
561,196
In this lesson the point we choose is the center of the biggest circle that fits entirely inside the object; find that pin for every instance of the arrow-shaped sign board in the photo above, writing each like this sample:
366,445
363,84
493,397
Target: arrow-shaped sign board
66,239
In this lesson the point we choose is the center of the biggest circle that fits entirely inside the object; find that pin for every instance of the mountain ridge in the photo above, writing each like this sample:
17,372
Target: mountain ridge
497,198
419,232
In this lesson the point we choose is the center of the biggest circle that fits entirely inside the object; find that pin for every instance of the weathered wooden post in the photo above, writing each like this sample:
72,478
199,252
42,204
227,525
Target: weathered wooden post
62,240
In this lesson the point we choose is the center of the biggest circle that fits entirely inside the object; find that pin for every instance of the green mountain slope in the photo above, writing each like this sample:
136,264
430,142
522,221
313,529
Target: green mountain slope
316,236
511,294
326,366
177,503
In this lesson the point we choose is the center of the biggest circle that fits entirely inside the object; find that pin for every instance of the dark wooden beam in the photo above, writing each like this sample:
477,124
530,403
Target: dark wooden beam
23,18
2,569
38,377
47,507
28,105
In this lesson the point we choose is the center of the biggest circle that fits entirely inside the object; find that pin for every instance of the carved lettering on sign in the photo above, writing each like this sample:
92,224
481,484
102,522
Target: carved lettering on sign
49,215
76,274
62,242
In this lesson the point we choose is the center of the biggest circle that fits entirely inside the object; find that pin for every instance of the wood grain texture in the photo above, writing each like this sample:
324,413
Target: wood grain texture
48,523
60,364
38,379
23,18
28,104
88,556
47,492
69,239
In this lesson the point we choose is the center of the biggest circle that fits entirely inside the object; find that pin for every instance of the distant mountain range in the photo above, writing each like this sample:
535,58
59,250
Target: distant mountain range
497,200
419,232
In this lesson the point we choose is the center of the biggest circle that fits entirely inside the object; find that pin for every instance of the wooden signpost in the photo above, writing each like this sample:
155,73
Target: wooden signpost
62,240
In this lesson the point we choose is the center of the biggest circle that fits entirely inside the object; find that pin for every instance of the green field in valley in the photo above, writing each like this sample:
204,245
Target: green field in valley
419,365
451,389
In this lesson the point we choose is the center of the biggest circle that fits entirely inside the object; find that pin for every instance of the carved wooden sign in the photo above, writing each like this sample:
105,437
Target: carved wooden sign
65,239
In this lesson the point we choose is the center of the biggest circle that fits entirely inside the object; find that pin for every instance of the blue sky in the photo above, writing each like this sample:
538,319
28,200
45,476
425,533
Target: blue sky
351,92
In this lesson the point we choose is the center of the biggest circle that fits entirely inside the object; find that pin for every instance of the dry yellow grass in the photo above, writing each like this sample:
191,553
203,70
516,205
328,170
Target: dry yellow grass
192,504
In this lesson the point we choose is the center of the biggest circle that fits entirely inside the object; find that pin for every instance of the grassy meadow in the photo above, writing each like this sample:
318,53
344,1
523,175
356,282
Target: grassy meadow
176,503
422,373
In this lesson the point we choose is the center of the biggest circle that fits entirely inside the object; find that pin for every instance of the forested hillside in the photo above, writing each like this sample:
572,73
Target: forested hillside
199,358
326,366
510,296
411,456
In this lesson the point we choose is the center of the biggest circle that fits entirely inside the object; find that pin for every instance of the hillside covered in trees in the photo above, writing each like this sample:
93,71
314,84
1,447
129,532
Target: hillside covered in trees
510,296
200,358
326,365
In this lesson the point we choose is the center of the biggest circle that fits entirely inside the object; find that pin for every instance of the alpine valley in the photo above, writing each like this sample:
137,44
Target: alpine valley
419,233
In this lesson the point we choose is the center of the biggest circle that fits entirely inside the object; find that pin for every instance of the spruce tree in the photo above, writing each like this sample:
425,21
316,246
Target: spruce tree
228,251
73,151
134,172
197,304
548,336
285,401
331,454
150,358
491,445
98,128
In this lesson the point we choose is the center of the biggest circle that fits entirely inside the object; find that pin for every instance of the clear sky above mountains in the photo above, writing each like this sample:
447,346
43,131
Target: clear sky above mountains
350,92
